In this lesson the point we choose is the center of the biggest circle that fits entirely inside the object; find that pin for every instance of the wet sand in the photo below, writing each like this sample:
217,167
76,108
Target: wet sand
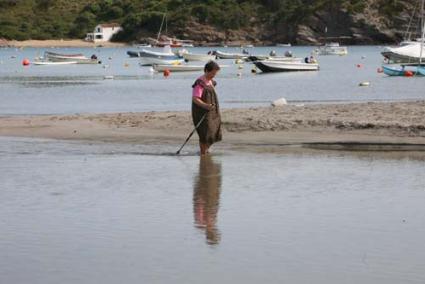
355,126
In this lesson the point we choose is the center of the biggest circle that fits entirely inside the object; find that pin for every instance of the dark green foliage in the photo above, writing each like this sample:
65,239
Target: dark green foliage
40,19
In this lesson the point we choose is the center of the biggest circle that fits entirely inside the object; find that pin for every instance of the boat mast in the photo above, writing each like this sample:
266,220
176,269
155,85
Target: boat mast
422,31
160,28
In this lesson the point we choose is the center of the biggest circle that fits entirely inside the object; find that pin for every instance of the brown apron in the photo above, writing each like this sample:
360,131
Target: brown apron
210,129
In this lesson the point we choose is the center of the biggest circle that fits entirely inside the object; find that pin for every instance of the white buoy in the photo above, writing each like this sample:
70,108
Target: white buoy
108,77
279,102
364,84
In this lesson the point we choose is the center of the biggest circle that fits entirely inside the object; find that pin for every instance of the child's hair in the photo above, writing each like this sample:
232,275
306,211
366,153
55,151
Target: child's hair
210,66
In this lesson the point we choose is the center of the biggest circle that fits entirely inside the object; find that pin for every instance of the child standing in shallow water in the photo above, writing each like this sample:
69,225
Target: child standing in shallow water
205,103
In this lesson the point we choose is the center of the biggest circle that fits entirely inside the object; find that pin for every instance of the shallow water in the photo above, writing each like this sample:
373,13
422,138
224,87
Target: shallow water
109,213
82,88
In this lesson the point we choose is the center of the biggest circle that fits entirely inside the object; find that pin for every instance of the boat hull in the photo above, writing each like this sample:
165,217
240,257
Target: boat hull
50,63
392,71
406,71
405,54
276,66
149,61
223,55
133,54
178,68
78,58
332,49
198,57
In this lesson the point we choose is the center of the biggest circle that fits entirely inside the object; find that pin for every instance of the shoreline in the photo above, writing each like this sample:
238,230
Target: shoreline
356,126
63,43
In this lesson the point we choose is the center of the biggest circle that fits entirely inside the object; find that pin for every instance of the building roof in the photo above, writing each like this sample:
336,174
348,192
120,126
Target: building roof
110,25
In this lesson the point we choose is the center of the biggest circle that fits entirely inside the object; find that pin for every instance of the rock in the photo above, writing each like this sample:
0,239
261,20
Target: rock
279,102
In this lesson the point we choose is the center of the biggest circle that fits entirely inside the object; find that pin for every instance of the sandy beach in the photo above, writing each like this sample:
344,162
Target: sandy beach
368,126
63,43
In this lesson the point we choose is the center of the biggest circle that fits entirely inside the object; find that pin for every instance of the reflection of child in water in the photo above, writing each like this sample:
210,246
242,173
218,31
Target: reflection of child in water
206,198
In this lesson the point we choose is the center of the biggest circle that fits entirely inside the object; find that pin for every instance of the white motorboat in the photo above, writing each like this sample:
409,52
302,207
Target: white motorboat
177,68
79,58
283,66
148,61
409,53
167,57
198,57
283,45
274,58
51,63
332,48
224,55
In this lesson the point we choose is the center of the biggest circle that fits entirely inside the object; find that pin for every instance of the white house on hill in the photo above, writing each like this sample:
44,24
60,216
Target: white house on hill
103,32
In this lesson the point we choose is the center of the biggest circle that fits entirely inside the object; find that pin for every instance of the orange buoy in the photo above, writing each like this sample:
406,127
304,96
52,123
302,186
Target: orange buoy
408,73
380,70
166,73
26,62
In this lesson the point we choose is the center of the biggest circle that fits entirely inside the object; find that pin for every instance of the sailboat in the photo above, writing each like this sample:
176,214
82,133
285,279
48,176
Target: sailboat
413,61
163,40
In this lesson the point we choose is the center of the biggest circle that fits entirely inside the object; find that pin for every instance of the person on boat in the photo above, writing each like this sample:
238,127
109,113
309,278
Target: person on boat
205,107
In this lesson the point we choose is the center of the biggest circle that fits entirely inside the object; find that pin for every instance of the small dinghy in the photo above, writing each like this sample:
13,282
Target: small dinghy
78,58
224,55
148,57
284,66
333,48
403,70
198,57
177,68
54,63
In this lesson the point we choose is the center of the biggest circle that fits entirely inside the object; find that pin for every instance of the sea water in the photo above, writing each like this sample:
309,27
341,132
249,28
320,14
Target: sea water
83,88
74,212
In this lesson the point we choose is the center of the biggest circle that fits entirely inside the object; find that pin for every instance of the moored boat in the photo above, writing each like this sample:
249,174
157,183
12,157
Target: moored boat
198,57
225,55
332,48
148,61
148,57
78,58
177,68
407,53
283,45
403,70
282,66
51,63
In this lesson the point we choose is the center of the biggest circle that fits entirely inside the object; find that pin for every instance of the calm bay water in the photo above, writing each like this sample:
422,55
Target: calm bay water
108,213
75,212
82,88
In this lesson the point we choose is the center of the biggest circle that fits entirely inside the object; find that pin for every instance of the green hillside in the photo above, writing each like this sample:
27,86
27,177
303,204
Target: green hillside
207,20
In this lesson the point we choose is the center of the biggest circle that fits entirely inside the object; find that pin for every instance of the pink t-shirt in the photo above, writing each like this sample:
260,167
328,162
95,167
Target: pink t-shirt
198,90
